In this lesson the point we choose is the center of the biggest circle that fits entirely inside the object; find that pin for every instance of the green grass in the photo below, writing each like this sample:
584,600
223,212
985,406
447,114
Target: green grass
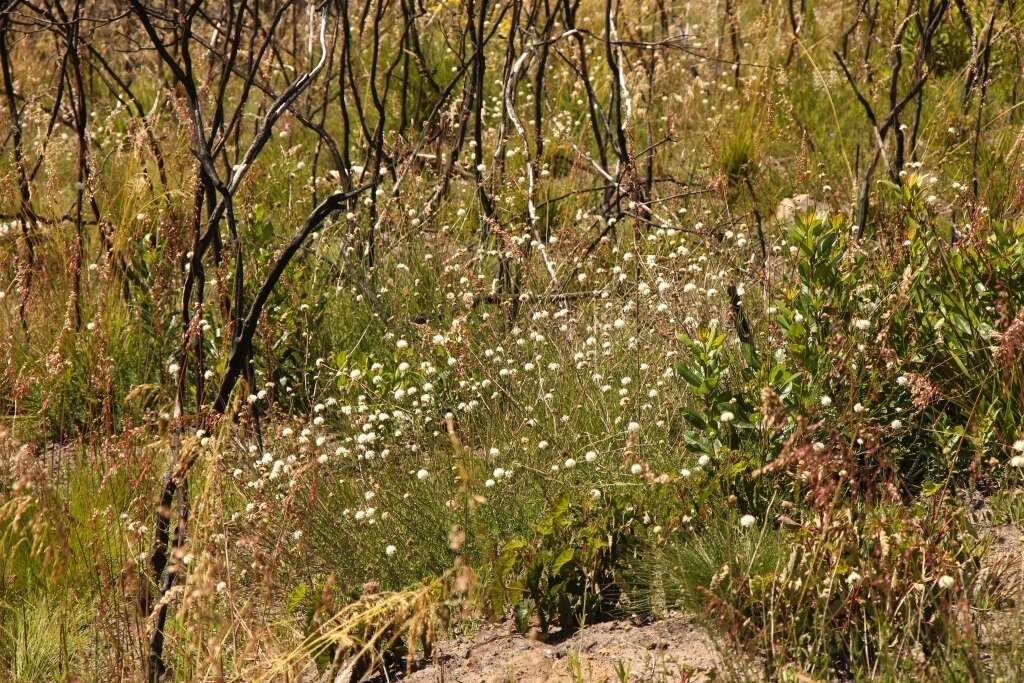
608,432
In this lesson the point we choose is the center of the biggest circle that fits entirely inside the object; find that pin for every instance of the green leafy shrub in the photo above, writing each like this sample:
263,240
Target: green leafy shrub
572,572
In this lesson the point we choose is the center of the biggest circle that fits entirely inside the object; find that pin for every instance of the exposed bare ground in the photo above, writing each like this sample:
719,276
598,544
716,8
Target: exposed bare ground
1005,559
673,649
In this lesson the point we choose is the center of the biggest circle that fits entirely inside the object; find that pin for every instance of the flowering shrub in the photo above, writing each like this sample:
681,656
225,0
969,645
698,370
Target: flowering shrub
326,330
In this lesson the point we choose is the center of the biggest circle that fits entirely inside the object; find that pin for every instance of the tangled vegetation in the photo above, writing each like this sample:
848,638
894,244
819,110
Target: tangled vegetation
330,330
